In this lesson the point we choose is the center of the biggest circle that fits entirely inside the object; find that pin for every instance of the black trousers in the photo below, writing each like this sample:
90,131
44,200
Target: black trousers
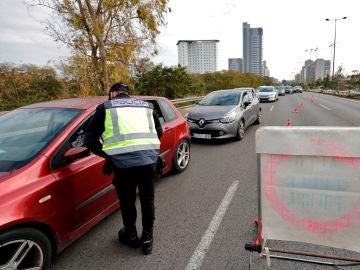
125,182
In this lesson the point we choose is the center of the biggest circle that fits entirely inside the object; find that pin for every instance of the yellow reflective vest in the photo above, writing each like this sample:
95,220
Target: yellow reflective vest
130,137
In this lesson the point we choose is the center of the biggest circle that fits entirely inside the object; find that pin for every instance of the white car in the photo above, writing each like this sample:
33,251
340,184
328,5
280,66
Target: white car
267,93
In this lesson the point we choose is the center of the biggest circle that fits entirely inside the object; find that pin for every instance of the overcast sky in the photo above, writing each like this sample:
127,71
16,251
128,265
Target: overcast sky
290,27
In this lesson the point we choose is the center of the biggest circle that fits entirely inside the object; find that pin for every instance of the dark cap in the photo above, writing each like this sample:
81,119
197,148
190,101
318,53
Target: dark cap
119,87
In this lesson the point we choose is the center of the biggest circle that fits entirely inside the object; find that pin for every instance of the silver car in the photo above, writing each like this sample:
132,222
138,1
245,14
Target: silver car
281,90
268,93
224,114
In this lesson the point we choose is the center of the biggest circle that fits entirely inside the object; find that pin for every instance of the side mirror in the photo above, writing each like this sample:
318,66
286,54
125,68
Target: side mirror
246,103
76,153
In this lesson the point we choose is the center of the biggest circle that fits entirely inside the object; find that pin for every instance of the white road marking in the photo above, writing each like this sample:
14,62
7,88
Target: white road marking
203,246
272,107
325,107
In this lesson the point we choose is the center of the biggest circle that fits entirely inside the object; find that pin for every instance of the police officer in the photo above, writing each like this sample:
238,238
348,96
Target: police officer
126,132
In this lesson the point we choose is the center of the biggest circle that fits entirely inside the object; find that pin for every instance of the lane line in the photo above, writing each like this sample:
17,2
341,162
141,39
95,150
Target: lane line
272,107
325,107
200,252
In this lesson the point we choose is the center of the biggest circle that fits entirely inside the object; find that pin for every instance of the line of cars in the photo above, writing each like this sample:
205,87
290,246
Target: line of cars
272,93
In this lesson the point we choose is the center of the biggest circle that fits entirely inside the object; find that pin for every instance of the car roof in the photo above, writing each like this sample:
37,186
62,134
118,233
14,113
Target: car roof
79,103
236,90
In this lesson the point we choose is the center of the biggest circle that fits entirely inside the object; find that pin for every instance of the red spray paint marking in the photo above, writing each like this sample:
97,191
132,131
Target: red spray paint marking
312,225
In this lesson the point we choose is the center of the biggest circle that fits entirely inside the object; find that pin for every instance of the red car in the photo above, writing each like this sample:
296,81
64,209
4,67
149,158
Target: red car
52,189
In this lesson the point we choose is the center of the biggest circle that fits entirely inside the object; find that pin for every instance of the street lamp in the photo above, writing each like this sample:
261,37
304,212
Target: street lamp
335,20
309,50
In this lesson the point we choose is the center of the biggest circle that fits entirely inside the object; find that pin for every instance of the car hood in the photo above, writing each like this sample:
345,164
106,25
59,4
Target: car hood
209,112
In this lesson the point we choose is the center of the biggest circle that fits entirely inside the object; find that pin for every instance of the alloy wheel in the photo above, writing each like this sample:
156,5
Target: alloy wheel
21,254
183,154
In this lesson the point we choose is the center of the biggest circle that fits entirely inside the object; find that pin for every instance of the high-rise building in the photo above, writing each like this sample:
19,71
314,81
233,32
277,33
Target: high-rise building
235,64
198,56
315,70
252,49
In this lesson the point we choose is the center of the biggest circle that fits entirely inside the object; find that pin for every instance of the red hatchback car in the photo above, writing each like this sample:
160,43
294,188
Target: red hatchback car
52,189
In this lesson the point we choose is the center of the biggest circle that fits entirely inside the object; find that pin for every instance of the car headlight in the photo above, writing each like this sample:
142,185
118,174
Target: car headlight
228,118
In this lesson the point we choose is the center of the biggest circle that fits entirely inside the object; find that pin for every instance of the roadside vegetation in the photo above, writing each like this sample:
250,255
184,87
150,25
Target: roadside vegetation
26,84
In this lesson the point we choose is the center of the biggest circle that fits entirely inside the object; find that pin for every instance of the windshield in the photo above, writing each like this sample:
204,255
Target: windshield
221,99
266,89
25,132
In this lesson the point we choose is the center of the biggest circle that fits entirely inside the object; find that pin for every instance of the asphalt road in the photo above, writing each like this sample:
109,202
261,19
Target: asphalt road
187,205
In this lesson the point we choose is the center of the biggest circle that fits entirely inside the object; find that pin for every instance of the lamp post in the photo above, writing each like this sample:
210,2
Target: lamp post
335,20
309,50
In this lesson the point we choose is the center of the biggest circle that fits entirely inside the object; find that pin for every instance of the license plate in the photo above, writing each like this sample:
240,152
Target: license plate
202,136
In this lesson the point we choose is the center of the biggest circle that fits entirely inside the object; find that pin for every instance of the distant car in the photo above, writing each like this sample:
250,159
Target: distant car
288,89
298,89
224,114
281,90
267,93
52,189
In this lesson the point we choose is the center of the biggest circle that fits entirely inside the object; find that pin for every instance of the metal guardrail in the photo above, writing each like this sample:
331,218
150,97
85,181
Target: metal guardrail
185,100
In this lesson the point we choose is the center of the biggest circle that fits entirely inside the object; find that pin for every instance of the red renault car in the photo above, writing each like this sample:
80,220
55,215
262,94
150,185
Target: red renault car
52,189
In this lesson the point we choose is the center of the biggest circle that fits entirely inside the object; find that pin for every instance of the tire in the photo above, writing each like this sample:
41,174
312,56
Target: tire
34,245
240,131
258,119
181,157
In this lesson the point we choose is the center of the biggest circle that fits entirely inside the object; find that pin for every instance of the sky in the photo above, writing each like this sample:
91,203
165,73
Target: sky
290,27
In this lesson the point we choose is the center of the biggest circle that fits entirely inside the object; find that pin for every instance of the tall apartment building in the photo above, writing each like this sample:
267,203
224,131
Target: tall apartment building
198,56
235,64
252,49
315,70
322,68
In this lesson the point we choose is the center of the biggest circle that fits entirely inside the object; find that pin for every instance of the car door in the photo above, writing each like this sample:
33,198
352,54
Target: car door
246,109
168,141
86,191
255,104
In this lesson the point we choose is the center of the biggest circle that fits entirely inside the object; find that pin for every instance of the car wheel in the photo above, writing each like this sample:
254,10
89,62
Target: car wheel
241,131
24,248
181,157
258,119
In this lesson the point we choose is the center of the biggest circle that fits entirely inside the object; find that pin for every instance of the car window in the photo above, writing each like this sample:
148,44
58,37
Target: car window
266,89
25,132
169,113
157,111
75,140
250,95
246,98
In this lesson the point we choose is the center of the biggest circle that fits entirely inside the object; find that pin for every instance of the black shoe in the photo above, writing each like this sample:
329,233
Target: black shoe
147,243
131,240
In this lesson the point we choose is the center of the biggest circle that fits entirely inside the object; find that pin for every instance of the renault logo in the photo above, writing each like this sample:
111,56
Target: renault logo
201,122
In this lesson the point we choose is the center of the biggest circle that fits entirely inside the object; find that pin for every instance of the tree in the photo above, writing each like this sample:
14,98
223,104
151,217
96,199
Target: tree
171,82
106,36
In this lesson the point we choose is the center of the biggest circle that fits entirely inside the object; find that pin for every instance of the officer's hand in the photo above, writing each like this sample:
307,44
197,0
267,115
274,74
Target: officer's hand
108,167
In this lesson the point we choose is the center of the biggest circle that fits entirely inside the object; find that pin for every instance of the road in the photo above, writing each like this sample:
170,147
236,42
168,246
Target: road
187,205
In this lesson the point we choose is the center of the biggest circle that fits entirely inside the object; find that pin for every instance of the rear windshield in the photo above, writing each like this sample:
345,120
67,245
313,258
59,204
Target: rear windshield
25,132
